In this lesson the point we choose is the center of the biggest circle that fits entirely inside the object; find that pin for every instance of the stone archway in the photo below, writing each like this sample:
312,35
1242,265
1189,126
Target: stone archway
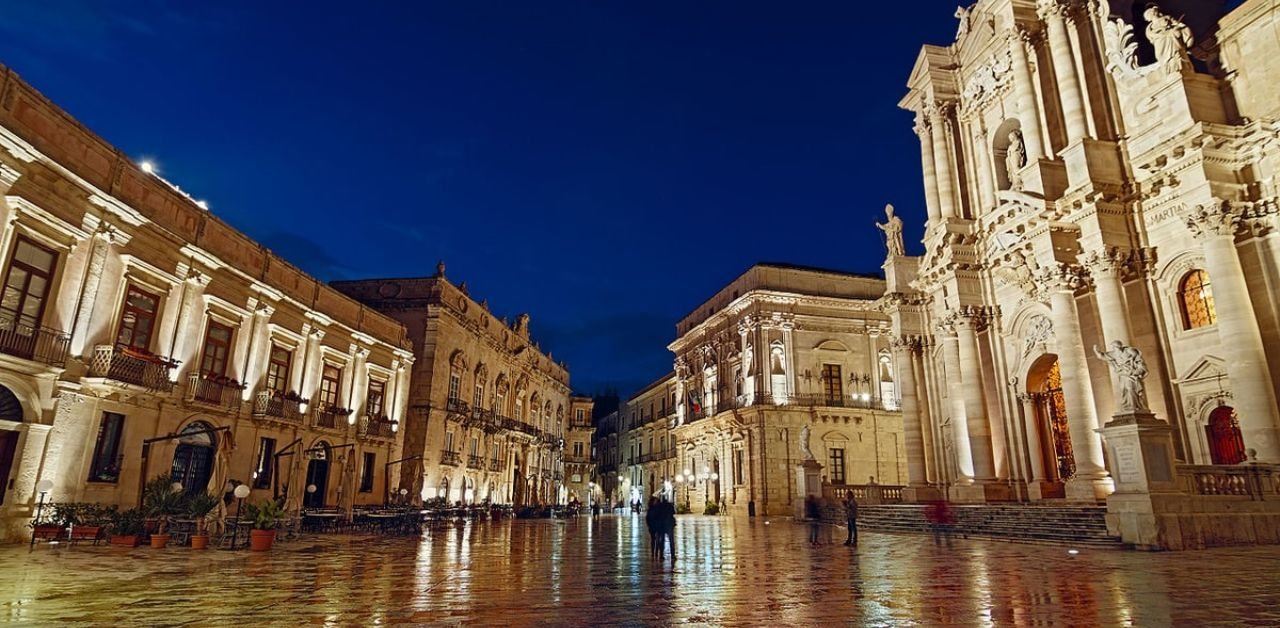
10,410
1226,445
1044,385
193,457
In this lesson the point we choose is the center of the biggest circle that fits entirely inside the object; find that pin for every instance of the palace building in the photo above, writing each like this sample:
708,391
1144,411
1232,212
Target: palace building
1095,172
780,352
490,413
140,335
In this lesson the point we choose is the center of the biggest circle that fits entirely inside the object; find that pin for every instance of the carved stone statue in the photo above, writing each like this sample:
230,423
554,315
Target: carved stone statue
892,229
1130,370
964,14
805,450
1170,37
1015,159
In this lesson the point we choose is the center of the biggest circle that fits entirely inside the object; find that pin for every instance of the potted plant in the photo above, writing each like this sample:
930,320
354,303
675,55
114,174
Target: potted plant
160,501
266,516
127,527
50,526
89,521
198,507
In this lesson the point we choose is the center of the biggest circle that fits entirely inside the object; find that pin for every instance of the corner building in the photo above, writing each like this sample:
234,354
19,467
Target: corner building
1094,172
778,349
488,409
140,335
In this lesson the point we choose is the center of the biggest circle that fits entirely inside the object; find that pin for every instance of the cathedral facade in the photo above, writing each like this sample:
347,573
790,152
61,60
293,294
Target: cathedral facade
1095,173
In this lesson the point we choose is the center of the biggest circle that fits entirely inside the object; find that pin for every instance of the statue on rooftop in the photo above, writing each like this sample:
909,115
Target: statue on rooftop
892,229
1170,38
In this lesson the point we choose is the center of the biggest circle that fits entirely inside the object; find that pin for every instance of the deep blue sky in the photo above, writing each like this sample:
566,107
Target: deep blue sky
605,166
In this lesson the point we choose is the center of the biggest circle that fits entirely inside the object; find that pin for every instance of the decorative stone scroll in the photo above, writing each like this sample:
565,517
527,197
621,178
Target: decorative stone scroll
1218,218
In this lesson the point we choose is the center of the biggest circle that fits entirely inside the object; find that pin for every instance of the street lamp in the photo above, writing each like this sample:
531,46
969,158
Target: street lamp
241,492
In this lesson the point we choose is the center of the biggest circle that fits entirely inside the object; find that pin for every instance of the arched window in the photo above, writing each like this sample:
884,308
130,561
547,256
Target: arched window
1195,296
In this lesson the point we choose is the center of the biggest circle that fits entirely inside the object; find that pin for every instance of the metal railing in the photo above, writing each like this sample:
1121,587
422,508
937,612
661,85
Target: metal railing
39,344
379,427
495,465
268,403
327,418
208,391
475,462
129,366
451,458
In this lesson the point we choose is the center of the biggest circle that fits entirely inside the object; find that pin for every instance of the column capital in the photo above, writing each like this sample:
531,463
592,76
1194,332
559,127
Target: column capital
906,343
1062,277
1261,218
938,110
1107,261
1215,219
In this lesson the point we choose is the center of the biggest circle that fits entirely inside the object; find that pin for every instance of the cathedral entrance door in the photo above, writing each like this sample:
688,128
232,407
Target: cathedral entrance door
1044,382
1226,446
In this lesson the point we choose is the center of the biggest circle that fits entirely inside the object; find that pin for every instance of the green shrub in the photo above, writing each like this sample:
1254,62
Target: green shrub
711,508
266,514
127,522
683,508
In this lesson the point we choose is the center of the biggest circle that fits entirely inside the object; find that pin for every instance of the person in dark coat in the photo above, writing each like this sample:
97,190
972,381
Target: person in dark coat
669,528
653,519
851,518
813,514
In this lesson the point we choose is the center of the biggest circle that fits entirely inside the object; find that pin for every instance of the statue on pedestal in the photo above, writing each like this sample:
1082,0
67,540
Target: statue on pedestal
1130,370
892,229
1015,159
1170,38
805,450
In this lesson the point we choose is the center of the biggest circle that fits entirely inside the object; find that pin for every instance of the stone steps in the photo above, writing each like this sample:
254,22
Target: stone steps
1064,525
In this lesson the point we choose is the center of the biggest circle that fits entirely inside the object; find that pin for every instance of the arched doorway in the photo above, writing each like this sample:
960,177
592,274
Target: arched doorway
193,458
1226,446
10,410
1044,383
317,475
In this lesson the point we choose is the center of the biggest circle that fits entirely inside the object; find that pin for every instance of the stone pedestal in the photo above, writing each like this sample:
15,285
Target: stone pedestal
920,494
808,482
1140,449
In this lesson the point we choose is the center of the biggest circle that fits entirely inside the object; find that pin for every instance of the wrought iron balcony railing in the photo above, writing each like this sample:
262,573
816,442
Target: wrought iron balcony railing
39,344
379,427
495,465
271,404
130,366
475,462
451,458
214,392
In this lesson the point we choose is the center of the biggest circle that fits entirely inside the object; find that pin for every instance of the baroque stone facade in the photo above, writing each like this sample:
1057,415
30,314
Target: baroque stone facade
1094,172
140,335
780,352
489,411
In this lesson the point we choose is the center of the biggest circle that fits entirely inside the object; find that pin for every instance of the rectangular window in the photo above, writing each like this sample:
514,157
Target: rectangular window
837,466
217,346
475,447
278,363
330,384
106,451
577,449
737,466
477,396
377,390
266,463
455,386
137,319
26,287
831,383
448,441
366,472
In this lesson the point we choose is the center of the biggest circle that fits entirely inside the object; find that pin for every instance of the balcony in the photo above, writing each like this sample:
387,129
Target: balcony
131,366
286,407
457,409
450,458
38,344
219,392
379,427
495,465
475,462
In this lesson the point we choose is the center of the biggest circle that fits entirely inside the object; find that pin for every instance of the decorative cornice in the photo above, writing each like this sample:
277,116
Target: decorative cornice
1215,219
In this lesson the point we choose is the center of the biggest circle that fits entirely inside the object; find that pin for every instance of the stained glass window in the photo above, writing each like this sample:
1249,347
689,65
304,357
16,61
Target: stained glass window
1196,297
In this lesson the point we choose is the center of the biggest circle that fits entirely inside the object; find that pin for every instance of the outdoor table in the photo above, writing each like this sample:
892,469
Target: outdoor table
320,519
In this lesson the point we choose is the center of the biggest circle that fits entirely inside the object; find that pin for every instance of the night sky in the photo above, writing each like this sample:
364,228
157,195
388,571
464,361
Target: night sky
604,166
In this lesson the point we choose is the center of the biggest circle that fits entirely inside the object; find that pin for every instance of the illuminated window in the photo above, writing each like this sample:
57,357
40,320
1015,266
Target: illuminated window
217,346
831,384
330,383
278,368
137,319
377,390
1196,298
26,287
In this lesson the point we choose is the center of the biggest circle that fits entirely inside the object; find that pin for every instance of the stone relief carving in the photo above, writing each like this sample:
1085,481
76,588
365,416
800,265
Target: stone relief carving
892,228
987,79
1130,370
1122,50
1020,271
1041,330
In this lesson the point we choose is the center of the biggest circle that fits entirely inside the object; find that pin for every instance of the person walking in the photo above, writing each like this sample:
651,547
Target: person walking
851,518
669,528
651,519
940,518
813,514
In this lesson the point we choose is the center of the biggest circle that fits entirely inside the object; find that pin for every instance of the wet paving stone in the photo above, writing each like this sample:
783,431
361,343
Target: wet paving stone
598,572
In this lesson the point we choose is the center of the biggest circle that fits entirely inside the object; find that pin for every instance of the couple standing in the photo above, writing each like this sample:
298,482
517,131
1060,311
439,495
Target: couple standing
661,518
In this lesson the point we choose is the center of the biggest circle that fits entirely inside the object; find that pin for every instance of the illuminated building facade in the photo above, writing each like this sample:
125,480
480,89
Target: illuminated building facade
489,411
778,350
1095,172
130,312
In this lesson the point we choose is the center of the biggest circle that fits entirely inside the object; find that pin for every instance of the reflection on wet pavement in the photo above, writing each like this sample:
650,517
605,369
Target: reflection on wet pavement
728,571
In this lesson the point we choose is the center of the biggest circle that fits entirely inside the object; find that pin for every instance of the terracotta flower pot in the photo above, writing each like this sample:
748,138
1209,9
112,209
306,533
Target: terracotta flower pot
159,541
125,540
199,541
261,540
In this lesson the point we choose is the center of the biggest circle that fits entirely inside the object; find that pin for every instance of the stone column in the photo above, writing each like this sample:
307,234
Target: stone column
975,404
1024,94
1031,424
185,339
904,349
259,347
788,343
923,131
924,404
955,398
311,365
101,245
983,168
1091,480
1056,14
1105,267
1214,226
30,460
939,125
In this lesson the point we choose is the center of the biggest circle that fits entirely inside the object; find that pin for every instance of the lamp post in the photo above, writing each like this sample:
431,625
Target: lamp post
43,487
404,499
241,492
